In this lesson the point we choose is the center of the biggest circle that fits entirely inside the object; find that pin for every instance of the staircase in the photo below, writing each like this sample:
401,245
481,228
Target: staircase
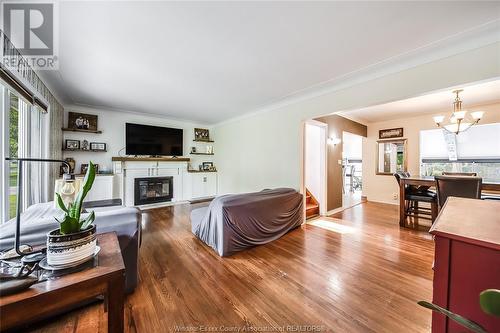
312,206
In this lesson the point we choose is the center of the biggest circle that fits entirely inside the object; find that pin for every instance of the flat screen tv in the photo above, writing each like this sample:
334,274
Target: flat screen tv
153,140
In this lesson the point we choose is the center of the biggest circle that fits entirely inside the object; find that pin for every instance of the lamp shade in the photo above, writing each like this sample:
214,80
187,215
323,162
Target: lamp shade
459,115
477,115
438,119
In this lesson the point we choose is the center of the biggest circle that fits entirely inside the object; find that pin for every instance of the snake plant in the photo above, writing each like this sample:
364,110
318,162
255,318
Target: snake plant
489,300
71,222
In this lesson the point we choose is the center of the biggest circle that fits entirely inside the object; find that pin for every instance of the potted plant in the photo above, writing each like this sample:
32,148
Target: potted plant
75,239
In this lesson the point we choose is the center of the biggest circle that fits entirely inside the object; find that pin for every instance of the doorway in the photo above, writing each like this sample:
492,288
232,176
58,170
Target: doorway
352,169
315,168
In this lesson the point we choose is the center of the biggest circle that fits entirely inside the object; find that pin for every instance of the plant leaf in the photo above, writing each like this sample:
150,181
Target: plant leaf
69,225
489,300
88,221
88,181
473,326
60,203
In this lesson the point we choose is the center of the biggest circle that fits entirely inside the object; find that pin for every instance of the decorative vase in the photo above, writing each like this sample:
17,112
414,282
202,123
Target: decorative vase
71,249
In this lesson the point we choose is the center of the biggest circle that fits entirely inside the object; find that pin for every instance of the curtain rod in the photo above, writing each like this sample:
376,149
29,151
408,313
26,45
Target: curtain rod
12,81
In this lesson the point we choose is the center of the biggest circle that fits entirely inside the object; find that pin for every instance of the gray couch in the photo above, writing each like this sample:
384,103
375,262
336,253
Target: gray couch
38,220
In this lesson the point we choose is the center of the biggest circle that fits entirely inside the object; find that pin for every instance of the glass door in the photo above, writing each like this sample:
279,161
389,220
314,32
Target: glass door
10,148
13,152
21,129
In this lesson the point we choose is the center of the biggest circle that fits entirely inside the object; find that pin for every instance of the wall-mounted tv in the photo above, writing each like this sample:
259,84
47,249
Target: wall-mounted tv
153,140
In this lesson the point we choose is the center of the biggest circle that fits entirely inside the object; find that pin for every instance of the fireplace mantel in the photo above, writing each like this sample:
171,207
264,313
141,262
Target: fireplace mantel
186,185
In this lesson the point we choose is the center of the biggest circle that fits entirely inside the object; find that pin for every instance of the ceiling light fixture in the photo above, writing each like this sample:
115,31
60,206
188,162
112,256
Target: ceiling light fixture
458,121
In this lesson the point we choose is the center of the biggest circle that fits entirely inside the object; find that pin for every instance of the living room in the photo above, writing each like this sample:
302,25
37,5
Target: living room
155,166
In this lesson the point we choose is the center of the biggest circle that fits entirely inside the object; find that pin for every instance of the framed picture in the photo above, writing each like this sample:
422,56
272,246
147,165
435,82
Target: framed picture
206,166
82,121
98,146
201,134
390,133
72,144
85,145
72,163
85,166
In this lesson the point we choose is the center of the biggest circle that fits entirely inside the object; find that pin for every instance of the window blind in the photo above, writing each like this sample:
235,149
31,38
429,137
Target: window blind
478,142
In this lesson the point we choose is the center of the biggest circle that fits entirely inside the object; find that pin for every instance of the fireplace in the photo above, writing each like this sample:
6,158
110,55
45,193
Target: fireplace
153,190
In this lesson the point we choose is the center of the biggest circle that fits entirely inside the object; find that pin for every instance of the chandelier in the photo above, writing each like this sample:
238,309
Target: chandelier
458,120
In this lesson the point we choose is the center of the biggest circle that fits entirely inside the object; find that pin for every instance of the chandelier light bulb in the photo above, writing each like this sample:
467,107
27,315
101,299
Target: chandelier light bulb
459,115
477,115
438,119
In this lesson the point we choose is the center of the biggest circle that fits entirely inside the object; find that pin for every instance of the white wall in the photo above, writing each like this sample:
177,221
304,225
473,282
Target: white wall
112,124
263,150
381,188
314,160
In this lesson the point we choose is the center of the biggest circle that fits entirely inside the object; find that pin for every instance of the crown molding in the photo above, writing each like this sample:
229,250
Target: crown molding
92,108
477,37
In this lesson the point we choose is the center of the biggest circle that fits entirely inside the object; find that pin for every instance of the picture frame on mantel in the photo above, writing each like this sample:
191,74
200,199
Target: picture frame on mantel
390,133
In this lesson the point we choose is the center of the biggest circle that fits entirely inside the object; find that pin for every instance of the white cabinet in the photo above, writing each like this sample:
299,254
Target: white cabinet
203,184
102,189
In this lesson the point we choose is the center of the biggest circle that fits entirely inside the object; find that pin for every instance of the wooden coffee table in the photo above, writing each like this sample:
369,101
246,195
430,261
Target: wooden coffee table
52,297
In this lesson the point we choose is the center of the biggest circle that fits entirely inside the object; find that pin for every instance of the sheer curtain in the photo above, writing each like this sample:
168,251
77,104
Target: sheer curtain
37,144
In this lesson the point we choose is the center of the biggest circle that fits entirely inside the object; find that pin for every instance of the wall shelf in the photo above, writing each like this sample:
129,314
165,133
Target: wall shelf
85,150
200,171
202,153
80,130
149,159
204,141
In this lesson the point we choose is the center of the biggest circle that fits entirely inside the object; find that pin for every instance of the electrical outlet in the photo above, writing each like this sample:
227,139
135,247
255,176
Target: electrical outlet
395,196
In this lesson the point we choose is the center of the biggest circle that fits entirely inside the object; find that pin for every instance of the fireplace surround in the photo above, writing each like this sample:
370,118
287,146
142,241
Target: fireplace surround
153,190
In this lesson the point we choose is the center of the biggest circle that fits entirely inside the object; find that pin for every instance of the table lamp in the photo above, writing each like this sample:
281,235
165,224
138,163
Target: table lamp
67,178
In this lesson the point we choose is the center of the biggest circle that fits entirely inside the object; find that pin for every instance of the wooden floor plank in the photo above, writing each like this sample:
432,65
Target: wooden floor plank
365,280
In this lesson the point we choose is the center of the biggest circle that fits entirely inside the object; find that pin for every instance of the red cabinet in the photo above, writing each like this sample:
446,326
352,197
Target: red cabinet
467,261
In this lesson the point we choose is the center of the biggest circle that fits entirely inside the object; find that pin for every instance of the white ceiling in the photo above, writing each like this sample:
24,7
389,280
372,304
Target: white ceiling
211,61
478,94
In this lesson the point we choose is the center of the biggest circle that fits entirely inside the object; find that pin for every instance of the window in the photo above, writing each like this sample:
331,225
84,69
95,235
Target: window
21,129
476,150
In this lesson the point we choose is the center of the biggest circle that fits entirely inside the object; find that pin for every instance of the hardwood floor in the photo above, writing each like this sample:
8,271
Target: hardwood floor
364,277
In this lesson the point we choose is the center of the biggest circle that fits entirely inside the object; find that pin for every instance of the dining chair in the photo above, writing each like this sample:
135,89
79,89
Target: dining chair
414,195
449,173
457,186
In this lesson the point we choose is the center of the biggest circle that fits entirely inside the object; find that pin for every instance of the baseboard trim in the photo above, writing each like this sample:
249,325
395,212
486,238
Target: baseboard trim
161,205
385,202
336,210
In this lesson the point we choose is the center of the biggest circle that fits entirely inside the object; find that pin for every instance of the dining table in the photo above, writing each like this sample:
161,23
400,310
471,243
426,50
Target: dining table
487,185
